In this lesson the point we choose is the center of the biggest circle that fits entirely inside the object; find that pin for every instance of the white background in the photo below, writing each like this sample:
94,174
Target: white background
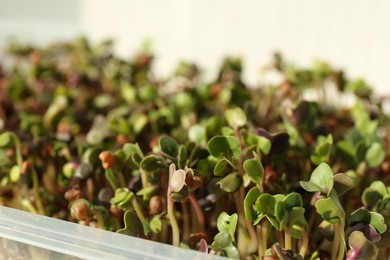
350,34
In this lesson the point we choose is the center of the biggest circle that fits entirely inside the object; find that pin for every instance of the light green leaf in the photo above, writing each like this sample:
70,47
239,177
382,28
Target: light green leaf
197,134
235,117
320,180
221,167
223,239
255,170
227,223
322,151
231,182
249,202
361,247
330,208
227,146
6,140
375,155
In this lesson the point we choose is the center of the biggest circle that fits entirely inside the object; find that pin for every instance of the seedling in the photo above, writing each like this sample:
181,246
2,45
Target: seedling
218,167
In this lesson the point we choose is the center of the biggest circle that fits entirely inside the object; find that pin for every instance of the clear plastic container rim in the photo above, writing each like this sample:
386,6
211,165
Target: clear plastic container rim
84,242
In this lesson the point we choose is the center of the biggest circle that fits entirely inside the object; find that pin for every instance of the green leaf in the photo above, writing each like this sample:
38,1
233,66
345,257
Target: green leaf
260,142
227,223
347,151
232,252
180,195
330,208
14,173
148,192
359,87
122,199
197,134
152,164
320,180
297,222
375,155
342,183
91,155
373,195
264,144
213,126
128,93
380,187
285,206
227,131
156,224
68,169
361,248
6,140
255,170
249,202
227,146
54,111
168,146
293,200
265,204
221,167
182,157
231,182
322,151
235,117
130,149
279,142
361,215
139,122
133,225
223,239
378,222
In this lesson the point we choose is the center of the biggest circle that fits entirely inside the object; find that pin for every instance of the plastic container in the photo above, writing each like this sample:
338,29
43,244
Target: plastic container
28,236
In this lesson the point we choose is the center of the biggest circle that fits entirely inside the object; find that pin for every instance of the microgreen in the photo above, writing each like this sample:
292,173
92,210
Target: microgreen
219,167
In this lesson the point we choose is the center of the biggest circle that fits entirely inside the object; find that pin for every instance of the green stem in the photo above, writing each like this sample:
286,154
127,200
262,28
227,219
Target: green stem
171,215
18,149
174,226
100,221
97,212
110,176
342,242
27,204
264,232
41,209
66,153
245,226
241,243
144,179
305,245
121,179
336,241
287,238
138,210
260,248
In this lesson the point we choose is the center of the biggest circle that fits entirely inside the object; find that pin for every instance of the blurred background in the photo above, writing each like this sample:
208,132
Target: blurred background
350,34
